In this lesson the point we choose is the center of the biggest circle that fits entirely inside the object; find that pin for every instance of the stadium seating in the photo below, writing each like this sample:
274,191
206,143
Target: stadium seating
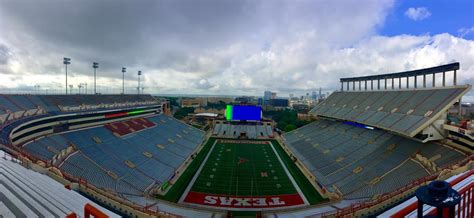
147,152
123,128
26,193
139,160
13,107
350,157
401,111
252,131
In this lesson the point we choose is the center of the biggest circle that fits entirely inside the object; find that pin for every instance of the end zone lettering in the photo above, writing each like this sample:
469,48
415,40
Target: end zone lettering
244,201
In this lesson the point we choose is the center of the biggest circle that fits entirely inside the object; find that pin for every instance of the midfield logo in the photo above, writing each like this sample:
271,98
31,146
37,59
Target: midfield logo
243,202
242,160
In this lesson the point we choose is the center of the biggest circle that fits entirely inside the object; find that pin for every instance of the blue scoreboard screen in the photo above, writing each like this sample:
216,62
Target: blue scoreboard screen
243,112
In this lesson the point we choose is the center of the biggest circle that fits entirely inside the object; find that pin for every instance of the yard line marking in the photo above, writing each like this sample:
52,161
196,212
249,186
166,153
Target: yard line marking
237,188
289,176
186,192
254,174
231,175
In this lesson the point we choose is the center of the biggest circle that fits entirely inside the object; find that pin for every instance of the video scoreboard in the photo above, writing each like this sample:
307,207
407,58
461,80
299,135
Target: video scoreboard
243,113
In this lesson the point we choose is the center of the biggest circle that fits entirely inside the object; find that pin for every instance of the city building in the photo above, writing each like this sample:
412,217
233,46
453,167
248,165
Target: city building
193,102
279,102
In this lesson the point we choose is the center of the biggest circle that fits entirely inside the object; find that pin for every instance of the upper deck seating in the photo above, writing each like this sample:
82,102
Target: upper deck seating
403,111
15,107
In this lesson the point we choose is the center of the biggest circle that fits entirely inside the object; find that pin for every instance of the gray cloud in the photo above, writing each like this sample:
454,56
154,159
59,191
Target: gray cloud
204,84
218,46
4,54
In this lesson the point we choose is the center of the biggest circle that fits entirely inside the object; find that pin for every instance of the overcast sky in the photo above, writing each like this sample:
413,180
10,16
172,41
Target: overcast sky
229,47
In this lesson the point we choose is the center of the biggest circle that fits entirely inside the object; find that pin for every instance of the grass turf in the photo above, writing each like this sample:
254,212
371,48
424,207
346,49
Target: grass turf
243,170
179,186
311,194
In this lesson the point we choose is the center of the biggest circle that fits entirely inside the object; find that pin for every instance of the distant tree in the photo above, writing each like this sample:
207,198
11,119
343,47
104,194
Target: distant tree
173,101
183,112
284,118
218,105
281,125
289,127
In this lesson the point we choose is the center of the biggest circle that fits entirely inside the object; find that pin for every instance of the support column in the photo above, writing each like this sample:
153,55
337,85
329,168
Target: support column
399,83
365,86
455,78
444,79
408,82
419,210
342,86
347,86
460,107
416,85
359,85
378,84
393,84
371,84
434,80
353,85
424,80
385,87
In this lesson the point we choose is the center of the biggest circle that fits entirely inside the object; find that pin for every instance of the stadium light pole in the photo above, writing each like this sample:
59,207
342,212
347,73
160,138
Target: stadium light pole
138,88
95,65
66,61
123,80
37,88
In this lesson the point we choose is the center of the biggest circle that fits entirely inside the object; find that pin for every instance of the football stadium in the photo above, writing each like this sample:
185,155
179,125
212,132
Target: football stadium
372,146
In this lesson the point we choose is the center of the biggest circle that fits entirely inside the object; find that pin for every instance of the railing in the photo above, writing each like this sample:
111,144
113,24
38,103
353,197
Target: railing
466,206
353,208
83,182
144,209
19,153
467,196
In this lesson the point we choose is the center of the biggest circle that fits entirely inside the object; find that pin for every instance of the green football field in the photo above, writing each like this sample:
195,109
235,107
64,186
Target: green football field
243,170
244,174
